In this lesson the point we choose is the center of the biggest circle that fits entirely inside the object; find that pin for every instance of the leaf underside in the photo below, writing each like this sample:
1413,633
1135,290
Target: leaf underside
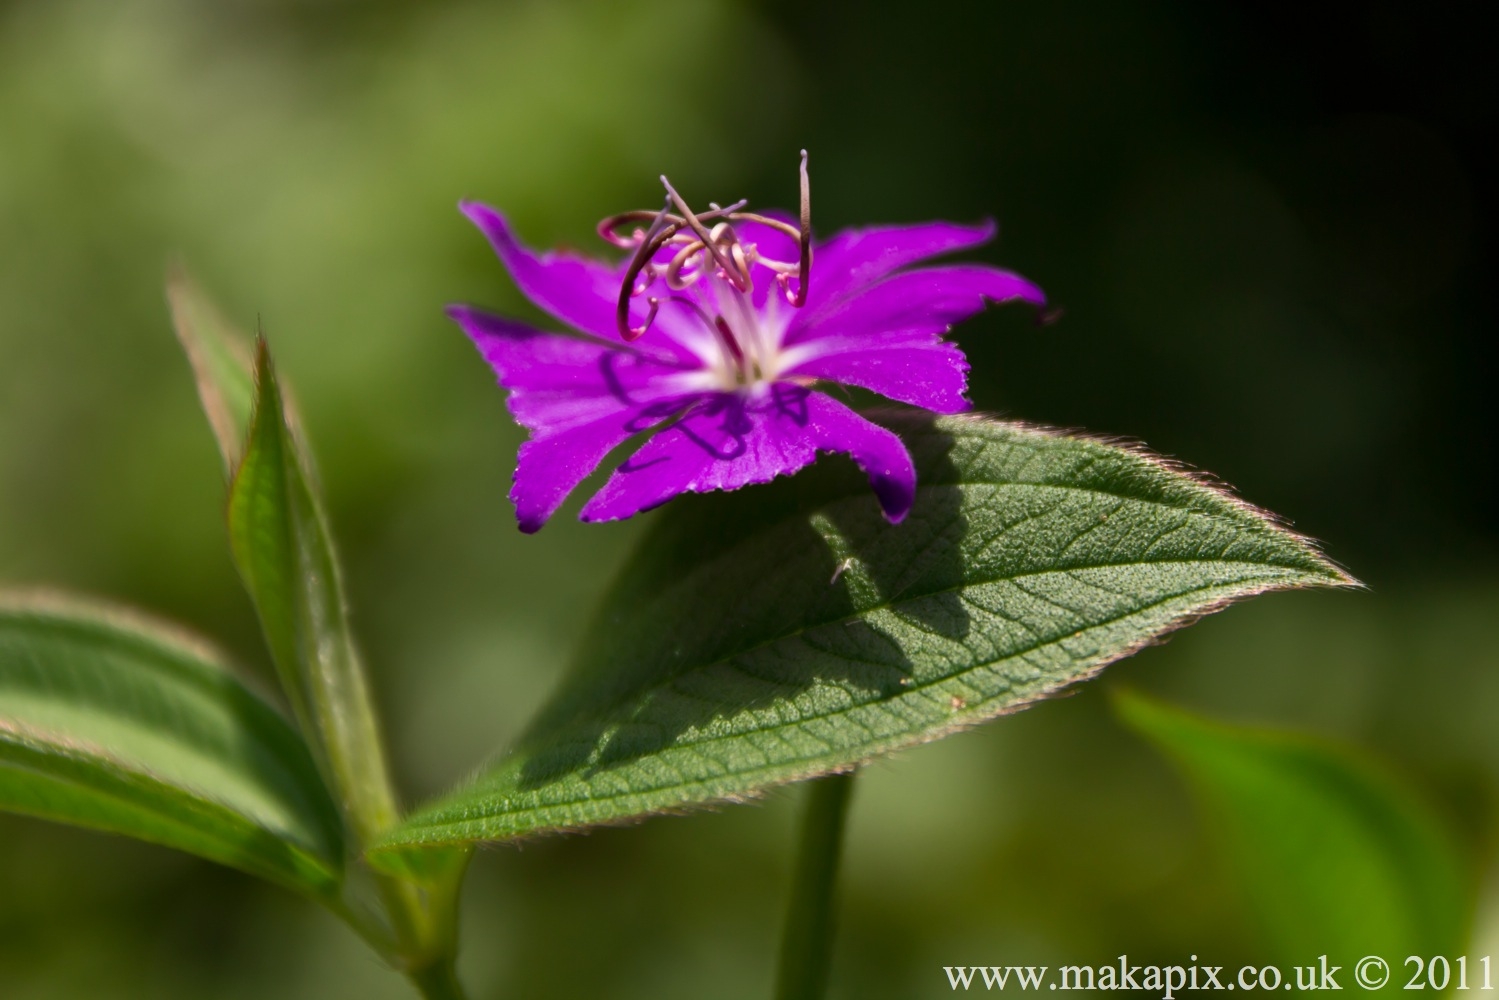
1334,856
114,723
788,631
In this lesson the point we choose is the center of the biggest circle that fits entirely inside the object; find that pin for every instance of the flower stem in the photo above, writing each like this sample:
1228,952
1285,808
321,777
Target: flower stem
807,947
437,981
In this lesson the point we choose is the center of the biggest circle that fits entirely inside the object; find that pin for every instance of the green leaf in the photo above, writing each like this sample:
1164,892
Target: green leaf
279,536
115,723
221,359
280,540
787,631
1334,855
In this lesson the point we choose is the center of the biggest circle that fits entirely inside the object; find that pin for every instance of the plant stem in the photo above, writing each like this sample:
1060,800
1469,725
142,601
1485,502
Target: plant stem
437,981
807,947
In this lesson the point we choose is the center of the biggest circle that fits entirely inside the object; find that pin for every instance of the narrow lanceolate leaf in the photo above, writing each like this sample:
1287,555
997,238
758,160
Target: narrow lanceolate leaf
1334,855
788,631
111,722
222,363
280,540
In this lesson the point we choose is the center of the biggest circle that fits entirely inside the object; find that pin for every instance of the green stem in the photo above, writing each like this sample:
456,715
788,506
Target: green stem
807,947
437,981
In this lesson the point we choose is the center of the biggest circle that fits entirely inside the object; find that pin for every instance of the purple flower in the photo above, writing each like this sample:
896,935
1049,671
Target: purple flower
714,339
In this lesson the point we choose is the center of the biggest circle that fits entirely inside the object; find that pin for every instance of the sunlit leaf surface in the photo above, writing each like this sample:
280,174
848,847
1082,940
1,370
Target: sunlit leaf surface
1334,855
114,723
787,631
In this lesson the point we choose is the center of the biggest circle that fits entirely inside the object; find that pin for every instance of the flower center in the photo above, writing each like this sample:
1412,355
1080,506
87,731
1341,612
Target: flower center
684,249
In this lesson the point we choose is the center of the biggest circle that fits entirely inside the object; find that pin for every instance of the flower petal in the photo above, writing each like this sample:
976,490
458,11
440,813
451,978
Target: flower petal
579,398
579,291
879,452
858,257
925,301
733,440
925,372
728,441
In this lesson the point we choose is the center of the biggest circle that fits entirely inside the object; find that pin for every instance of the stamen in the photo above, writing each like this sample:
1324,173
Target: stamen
766,220
739,281
673,274
642,257
636,332
647,275
608,229
804,268
736,251
699,250
722,326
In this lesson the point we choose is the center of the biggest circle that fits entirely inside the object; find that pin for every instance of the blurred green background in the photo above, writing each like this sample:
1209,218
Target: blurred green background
1272,238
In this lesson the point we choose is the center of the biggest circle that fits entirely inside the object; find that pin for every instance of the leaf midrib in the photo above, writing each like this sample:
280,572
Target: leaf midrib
1264,530
902,596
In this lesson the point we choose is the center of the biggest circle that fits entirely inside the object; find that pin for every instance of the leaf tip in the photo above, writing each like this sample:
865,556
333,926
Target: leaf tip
218,355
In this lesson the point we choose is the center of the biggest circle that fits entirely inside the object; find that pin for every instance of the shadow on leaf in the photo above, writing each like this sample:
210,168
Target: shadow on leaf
723,620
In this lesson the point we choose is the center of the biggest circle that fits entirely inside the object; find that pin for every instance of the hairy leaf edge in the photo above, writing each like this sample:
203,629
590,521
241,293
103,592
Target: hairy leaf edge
418,837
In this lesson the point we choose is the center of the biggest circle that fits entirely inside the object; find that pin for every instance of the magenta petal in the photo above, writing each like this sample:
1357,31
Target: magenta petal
932,375
578,291
926,301
733,440
727,442
549,467
579,398
857,257
558,381
879,452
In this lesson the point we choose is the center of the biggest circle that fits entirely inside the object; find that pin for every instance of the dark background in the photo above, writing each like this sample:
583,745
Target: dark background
1270,232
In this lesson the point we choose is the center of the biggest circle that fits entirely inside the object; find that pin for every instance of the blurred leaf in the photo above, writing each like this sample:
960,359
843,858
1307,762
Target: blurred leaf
119,724
281,544
1334,855
788,631
221,359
